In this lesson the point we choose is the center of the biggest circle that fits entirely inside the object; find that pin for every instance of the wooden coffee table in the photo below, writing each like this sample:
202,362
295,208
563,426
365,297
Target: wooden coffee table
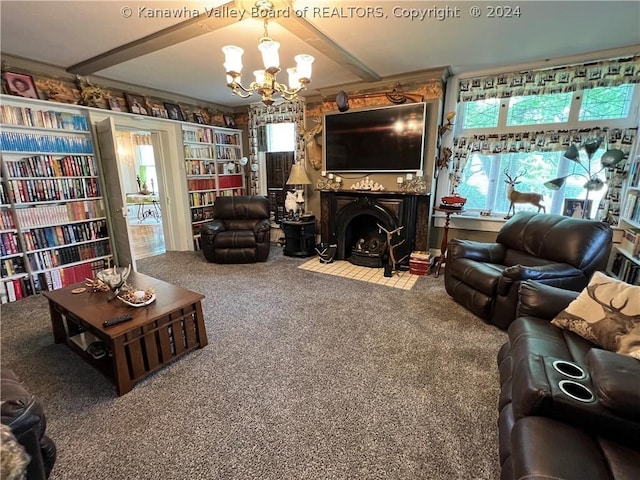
159,333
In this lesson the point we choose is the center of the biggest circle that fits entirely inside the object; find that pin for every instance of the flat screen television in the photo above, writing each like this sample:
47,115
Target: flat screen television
385,139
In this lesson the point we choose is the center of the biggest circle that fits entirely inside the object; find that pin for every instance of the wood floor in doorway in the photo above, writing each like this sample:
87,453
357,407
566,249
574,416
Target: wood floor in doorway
148,240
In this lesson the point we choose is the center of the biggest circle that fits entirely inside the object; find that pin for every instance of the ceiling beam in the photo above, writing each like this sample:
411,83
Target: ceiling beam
180,32
308,33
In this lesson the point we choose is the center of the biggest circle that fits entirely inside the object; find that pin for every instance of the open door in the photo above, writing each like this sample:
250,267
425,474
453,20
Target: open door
114,196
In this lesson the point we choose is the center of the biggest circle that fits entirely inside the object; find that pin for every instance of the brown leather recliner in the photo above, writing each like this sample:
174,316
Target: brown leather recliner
239,232
551,249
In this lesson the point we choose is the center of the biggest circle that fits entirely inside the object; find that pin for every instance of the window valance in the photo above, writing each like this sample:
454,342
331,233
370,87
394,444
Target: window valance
606,73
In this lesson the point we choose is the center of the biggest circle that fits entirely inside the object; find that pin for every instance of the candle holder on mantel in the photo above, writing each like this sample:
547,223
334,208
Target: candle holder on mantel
413,184
329,182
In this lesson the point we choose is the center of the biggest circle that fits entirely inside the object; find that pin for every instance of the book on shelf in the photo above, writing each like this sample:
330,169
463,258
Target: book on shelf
631,241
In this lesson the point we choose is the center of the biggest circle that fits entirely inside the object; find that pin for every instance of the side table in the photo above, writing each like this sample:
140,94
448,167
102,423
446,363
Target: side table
445,235
299,237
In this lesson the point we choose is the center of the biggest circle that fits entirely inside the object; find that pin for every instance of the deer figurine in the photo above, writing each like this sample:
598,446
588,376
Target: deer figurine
515,196
314,151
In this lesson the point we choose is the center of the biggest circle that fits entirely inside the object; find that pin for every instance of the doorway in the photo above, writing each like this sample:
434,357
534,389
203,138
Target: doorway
139,179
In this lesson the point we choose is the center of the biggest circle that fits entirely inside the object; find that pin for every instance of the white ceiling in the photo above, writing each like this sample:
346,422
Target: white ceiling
188,61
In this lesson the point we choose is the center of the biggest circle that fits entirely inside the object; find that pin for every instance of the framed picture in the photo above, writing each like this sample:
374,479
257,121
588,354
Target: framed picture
21,85
174,111
229,121
575,207
198,118
137,104
114,105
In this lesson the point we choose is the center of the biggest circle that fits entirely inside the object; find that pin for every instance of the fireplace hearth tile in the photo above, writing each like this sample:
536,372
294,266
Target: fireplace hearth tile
342,268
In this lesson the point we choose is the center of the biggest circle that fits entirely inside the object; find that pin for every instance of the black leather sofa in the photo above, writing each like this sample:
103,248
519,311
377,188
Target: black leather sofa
23,413
551,249
546,433
240,231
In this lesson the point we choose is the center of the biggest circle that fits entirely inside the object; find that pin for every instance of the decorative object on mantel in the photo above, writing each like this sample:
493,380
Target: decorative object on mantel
368,184
594,183
413,183
265,83
515,196
329,182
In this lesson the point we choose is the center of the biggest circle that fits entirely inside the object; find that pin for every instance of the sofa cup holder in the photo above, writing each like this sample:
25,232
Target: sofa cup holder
569,369
577,391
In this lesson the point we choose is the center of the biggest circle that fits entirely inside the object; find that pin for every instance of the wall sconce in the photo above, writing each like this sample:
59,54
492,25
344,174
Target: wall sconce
447,126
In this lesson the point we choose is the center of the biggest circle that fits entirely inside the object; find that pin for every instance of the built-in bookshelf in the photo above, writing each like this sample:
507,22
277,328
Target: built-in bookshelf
213,167
53,221
625,262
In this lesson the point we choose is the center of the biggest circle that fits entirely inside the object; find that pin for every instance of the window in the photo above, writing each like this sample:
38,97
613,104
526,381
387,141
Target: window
527,135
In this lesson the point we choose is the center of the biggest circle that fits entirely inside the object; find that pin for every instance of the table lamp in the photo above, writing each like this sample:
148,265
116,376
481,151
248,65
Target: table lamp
299,178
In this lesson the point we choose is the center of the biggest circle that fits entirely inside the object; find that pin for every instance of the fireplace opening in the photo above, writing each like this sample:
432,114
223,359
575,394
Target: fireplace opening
365,244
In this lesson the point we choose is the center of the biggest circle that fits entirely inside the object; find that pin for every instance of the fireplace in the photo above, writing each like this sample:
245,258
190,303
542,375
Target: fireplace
352,220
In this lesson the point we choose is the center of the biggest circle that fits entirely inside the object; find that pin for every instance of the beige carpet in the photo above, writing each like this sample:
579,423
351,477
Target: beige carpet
342,268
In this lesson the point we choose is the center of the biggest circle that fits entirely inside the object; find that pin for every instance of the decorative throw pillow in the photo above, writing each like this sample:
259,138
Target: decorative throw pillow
606,313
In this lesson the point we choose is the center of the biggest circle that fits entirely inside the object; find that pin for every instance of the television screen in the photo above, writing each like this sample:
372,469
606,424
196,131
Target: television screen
386,139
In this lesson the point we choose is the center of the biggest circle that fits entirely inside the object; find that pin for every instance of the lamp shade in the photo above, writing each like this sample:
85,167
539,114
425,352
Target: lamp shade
572,153
232,58
556,183
303,66
591,146
298,175
611,158
270,57
294,79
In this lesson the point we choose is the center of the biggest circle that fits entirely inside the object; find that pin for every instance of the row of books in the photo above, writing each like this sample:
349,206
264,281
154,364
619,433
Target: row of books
200,168
9,245
228,138
205,153
4,198
49,166
6,220
18,288
227,153
49,189
31,142
201,184
201,214
634,172
631,241
29,117
49,237
203,135
12,266
199,199
625,269
15,289
47,259
631,208
43,215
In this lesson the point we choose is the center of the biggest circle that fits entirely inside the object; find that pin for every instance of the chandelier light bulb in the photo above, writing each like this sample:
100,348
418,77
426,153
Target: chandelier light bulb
270,57
259,74
294,79
303,66
232,58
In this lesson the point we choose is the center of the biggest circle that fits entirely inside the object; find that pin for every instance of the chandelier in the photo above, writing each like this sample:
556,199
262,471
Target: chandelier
265,83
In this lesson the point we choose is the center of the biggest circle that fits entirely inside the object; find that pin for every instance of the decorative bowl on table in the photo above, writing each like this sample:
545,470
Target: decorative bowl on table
138,298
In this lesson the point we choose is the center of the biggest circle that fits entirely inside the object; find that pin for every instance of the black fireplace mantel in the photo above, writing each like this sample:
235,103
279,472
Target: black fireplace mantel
391,209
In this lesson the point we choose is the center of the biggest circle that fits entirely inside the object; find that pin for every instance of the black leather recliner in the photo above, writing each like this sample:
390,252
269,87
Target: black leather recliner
588,429
24,415
551,249
240,231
